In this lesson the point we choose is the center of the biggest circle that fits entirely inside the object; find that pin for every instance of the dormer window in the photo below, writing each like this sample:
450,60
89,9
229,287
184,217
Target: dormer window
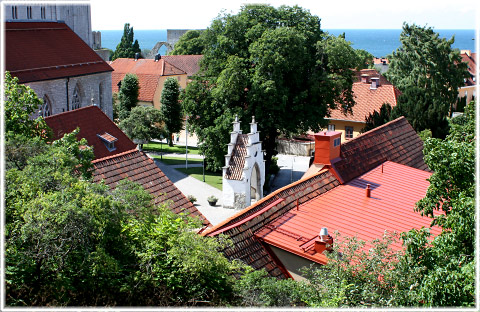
109,141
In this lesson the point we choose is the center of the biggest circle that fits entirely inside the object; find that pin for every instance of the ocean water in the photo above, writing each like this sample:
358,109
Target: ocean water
379,42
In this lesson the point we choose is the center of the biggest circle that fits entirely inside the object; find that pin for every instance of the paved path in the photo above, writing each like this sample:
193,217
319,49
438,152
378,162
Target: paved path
191,186
292,169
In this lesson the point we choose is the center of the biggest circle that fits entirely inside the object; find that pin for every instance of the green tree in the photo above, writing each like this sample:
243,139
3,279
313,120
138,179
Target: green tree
428,72
21,103
190,43
127,47
274,64
128,95
377,119
171,108
365,59
143,124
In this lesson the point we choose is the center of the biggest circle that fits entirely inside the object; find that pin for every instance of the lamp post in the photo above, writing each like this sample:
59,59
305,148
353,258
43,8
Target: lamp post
161,146
186,141
203,167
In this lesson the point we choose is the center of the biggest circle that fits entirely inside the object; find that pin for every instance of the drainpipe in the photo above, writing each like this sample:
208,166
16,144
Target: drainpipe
66,84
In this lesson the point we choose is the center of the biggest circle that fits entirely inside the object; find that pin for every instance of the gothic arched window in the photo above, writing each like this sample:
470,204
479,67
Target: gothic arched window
100,95
76,101
46,107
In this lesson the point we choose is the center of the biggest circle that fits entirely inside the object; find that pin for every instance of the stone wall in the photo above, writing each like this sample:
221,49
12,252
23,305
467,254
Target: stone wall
97,86
295,147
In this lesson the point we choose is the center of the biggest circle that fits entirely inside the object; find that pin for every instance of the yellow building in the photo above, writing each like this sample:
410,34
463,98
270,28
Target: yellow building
468,90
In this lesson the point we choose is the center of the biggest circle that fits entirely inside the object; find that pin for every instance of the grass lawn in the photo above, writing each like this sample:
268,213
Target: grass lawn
211,178
169,160
157,147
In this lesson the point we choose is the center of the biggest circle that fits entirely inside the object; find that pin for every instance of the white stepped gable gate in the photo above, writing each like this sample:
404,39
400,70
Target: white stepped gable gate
244,171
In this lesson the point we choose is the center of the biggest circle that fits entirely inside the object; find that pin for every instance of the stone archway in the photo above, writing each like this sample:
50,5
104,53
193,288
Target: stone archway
255,184
157,47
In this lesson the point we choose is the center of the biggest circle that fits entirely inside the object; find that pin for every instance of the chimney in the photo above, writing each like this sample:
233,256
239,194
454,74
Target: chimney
368,191
375,83
364,78
137,56
327,147
324,241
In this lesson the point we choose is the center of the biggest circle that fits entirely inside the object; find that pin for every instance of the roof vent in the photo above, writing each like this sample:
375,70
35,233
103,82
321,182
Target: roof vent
324,241
375,82
368,190
157,57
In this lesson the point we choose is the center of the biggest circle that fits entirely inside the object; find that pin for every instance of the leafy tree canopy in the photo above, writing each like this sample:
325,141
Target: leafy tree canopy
143,124
127,47
377,119
171,109
21,103
190,43
274,64
128,95
428,72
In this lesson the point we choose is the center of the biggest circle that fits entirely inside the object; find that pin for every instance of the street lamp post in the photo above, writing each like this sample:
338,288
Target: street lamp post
161,147
186,141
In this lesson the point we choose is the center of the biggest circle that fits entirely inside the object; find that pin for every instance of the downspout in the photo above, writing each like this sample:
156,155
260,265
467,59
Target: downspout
66,83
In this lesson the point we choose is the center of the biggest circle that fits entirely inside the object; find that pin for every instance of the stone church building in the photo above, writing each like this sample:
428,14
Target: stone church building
58,65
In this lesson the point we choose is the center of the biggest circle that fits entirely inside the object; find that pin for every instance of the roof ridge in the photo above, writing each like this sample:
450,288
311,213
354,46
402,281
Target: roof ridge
261,201
115,156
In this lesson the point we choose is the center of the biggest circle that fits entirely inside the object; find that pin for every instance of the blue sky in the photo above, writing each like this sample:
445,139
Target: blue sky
343,14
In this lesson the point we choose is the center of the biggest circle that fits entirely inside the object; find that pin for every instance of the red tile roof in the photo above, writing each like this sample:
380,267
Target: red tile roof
472,68
395,141
237,160
380,60
91,121
138,167
368,100
148,72
36,51
188,63
346,209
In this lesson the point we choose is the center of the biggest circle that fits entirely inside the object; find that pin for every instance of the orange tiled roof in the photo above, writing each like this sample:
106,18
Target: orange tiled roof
148,72
138,167
395,189
472,69
237,160
36,51
368,100
395,141
92,122
380,60
188,63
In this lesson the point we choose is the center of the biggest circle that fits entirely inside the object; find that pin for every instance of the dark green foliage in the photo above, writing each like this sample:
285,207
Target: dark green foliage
377,119
422,111
190,43
70,242
127,47
428,72
461,103
127,95
171,109
274,64
365,59
21,103
143,124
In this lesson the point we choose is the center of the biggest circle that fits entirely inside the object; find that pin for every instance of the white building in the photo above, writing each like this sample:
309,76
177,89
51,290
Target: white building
244,173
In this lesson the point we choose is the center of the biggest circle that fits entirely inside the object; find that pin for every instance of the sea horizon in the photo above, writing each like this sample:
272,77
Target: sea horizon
379,42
